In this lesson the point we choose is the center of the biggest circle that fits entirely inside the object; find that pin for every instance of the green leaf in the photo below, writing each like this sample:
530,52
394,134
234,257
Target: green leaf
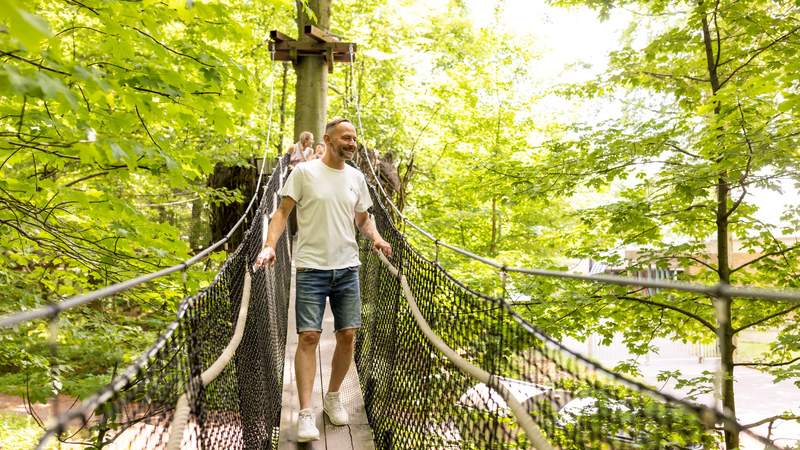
28,28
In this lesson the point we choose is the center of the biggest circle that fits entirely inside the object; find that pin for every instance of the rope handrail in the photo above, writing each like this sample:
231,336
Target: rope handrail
130,375
709,415
715,290
531,429
182,408
55,309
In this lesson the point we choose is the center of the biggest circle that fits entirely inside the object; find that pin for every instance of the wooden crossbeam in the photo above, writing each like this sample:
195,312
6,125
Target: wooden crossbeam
324,44
277,36
286,55
315,47
319,35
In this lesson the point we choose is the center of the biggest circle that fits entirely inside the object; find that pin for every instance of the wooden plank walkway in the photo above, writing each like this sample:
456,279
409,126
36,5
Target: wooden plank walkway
357,435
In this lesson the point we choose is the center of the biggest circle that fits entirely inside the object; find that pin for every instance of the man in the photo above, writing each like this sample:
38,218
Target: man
331,198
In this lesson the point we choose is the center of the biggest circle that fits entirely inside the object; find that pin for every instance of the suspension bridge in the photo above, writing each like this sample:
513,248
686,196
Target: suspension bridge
439,365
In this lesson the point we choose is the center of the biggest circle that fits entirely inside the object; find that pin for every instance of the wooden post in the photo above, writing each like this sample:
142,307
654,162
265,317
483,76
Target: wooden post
311,99
312,55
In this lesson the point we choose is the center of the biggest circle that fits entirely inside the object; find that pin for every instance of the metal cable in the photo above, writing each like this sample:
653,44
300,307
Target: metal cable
182,410
241,407
576,402
525,420
716,290
720,289
56,308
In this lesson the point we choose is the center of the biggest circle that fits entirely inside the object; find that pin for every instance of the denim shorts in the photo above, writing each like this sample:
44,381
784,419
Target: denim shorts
340,286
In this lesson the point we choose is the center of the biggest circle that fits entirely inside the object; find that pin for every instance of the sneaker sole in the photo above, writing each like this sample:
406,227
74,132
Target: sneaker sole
330,419
307,439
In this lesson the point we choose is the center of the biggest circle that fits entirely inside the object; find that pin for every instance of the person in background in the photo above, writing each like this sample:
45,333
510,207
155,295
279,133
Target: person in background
298,150
319,150
299,153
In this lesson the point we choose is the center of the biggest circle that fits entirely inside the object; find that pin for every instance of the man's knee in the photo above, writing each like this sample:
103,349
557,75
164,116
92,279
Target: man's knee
346,336
309,338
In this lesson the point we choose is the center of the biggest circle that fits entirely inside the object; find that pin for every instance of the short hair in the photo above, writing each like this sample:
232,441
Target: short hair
305,135
336,121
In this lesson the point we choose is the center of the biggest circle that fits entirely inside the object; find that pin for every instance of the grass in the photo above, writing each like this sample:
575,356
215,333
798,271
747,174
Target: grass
18,431
751,351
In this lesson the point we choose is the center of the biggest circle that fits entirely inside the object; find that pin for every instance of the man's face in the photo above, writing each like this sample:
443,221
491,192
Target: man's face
342,140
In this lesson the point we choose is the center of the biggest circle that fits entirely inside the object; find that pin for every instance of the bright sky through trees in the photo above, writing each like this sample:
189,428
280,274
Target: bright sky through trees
574,45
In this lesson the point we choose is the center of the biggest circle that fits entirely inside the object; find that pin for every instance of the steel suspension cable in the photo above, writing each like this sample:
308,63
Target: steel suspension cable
716,290
182,409
54,309
531,429
709,415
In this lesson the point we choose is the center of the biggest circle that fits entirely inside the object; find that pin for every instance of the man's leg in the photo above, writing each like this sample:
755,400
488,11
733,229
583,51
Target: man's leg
305,365
342,355
346,306
311,290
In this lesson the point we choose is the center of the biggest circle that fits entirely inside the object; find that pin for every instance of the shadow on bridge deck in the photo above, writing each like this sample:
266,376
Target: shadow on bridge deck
357,435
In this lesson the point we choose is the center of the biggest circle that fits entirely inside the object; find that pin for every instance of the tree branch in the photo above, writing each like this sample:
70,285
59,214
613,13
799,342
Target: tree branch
172,50
685,152
87,177
701,262
767,255
163,94
77,3
34,147
764,319
702,321
762,364
106,63
716,28
674,77
66,30
145,128
771,419
748,167
9,156
758,52
34,63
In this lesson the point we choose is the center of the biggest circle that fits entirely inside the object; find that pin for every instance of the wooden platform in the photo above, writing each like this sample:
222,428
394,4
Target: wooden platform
357,435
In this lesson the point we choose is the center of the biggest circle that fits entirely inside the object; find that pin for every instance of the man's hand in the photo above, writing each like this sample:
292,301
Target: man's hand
382,246
265,258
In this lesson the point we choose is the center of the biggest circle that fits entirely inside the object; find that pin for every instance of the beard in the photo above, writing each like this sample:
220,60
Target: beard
346,152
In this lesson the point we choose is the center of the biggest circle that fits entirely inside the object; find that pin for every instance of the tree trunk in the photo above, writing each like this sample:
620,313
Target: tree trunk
493,243
402,197
223,217
311,100
196,230
722,304
723,312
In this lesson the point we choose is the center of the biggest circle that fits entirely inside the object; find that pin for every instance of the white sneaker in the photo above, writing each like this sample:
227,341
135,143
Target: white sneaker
306,429
332,405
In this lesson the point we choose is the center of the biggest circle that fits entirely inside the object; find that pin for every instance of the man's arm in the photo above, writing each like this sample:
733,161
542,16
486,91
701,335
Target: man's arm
367,227
276,227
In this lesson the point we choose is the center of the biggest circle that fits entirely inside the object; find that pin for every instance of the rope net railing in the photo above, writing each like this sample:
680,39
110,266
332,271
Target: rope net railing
416,398
241,407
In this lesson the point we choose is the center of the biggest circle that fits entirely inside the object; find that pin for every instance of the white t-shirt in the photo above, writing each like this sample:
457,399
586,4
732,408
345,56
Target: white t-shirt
327,201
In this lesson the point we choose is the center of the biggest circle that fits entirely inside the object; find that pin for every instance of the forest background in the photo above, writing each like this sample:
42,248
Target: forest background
116,117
